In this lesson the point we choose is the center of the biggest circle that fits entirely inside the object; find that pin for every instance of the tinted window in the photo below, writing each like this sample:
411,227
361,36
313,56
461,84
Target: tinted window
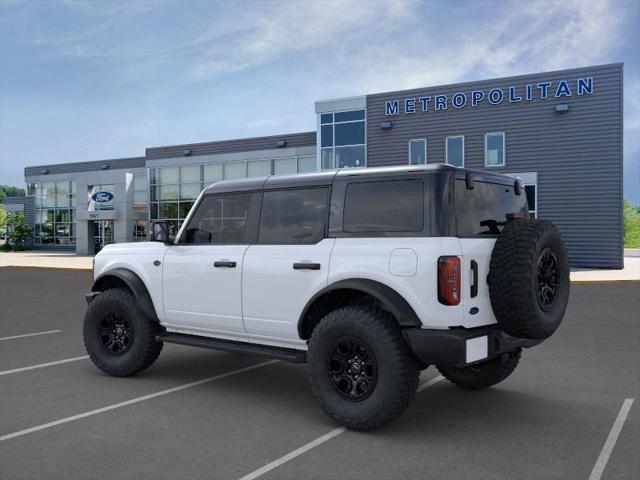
484,209
294,216
388,206
221,219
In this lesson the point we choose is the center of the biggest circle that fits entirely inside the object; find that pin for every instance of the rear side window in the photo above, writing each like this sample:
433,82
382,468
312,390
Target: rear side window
384,206
223,219
483,210
294,216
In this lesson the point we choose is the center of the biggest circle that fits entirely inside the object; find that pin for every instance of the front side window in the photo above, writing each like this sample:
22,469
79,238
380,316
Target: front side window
342,139
494,145
417,152
385,206
296,216
221,219
455,151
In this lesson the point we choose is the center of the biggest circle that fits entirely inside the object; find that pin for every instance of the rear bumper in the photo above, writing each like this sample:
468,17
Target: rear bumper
460,347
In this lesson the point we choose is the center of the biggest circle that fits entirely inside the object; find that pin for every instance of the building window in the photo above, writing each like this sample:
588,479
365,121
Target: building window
455,151
417,151
139,230
342,139
235,170
494,149
172,192
55,222
284,166
140,190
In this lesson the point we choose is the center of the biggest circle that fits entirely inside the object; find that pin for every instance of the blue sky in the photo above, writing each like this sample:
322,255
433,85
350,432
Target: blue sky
87,80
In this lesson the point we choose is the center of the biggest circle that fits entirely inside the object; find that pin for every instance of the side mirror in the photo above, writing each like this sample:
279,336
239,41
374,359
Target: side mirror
160,232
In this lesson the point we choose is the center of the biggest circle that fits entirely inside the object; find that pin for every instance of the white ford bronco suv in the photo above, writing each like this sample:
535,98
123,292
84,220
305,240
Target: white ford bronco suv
367,275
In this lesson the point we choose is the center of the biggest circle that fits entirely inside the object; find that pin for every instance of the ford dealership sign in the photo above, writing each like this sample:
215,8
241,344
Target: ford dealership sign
102,197
493,96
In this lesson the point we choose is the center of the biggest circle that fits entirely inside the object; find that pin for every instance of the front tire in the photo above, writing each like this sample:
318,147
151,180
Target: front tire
361,371
483,375
118,337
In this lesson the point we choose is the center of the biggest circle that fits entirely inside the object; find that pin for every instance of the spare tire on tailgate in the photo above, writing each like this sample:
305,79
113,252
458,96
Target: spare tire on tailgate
529,278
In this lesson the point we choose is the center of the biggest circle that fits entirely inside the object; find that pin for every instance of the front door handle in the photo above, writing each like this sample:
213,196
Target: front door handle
224,264
306,266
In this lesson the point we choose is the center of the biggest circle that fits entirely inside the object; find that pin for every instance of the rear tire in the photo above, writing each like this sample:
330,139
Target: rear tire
118,337
365,340
482,375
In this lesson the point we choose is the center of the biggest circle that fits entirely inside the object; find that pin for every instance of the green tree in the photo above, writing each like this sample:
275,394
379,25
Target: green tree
3,218
10,191
631,225
17,231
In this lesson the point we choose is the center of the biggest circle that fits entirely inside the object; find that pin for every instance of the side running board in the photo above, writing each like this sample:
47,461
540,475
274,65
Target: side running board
278,353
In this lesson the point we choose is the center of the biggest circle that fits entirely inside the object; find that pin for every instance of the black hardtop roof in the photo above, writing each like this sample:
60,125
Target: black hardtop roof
327,177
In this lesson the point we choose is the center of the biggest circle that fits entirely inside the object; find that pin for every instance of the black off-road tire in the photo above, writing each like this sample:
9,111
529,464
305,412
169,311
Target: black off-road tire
519,279
119,305
482,375
397,370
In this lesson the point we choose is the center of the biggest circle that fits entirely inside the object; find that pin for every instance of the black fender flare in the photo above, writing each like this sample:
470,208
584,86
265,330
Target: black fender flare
135,284
389,299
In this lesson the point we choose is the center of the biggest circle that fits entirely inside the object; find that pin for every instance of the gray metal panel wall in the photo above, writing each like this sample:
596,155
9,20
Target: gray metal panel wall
577,155
230,146
111,164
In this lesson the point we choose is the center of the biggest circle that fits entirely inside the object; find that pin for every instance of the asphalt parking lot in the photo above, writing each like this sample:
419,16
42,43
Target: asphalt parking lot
204,414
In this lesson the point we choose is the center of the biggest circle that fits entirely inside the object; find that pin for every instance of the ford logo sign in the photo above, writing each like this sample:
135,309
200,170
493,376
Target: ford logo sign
102,197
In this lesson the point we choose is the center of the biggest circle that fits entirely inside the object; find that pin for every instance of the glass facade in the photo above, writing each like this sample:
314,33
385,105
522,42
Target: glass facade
342,139
173,190
54,212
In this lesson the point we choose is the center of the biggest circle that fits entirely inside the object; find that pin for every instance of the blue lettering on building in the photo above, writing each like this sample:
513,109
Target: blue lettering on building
459,100
441,102
425,103
391,107
476,97
410,105
585,85
495,96
563,89
544,89
512,95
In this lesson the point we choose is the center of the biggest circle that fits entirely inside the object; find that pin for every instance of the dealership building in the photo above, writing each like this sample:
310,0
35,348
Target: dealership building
561,132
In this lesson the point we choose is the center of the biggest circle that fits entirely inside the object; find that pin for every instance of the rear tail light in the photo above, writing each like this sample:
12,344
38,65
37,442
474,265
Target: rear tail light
449,280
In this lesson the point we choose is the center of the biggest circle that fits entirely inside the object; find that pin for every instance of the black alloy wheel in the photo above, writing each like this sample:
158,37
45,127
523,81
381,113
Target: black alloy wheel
353,369
116,332
547,278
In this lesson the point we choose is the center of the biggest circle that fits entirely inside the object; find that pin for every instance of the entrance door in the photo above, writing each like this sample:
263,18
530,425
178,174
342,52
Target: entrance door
102,234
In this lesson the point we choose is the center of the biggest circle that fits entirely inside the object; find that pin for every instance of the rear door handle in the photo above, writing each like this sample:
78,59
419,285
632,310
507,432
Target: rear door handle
224,264
306,266
474,272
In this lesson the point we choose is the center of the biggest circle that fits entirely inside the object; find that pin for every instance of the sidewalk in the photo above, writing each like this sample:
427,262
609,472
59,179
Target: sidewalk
69,260
46,259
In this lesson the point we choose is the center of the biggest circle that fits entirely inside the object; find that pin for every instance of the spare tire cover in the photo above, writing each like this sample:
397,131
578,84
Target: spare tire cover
529,278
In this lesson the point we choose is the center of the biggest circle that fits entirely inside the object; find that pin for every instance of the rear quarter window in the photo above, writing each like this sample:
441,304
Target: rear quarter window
483,210
384,206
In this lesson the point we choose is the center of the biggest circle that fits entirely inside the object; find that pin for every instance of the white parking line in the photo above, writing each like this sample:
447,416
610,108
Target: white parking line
132,401
314,443
43,365
30,335
603,458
